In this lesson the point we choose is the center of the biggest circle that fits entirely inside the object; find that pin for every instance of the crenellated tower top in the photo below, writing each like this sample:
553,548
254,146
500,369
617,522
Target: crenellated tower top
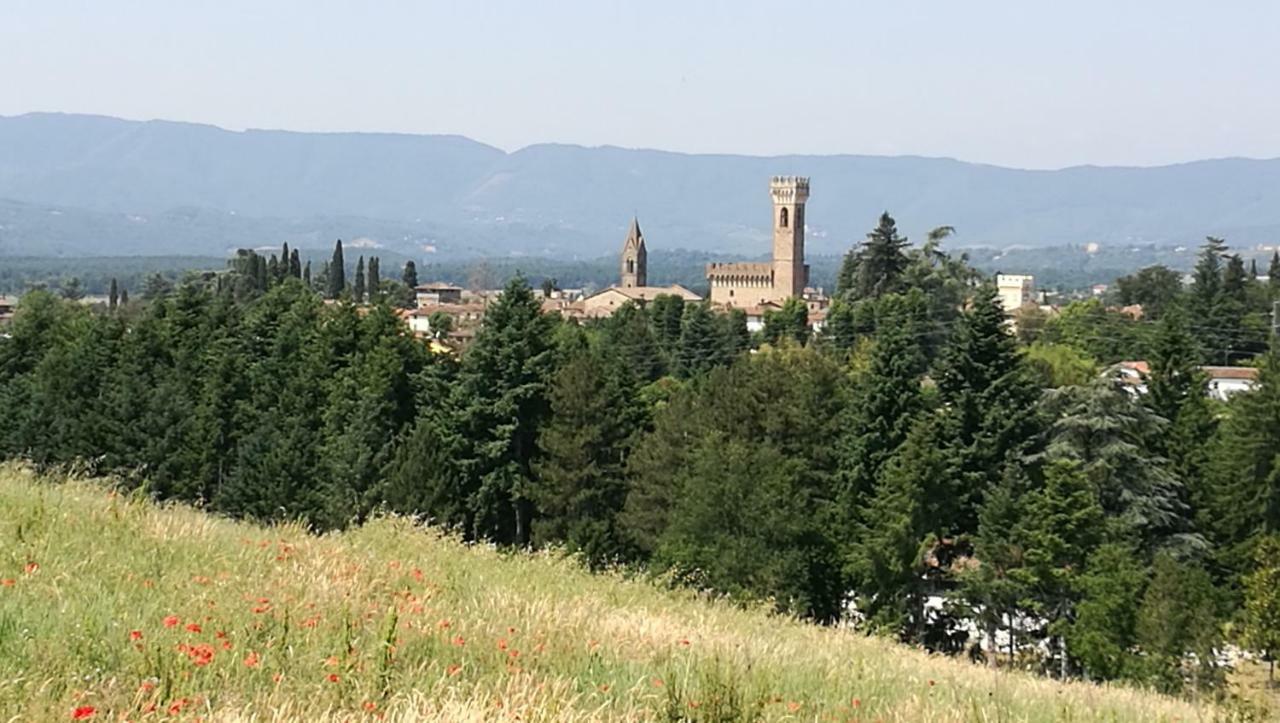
789,189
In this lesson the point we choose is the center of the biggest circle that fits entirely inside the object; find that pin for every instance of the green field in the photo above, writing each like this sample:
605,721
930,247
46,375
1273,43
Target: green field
124,610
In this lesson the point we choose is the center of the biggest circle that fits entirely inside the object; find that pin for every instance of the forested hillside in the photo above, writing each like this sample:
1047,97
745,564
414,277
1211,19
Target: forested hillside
915,470
92,185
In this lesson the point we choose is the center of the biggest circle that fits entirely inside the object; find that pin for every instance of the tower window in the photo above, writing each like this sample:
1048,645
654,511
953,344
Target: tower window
631,266
783,218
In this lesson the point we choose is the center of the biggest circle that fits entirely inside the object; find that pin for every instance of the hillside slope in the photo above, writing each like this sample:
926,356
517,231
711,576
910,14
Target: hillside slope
112,606
149,179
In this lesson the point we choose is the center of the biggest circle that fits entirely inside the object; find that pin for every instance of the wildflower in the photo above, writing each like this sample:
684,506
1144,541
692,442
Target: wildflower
201,655
200,580
84,712
459,641
693,704
171,621
794,706
135,635
177,706
194,628
31,568
146,686
685,643
857,702
220,635
264,607
513,654
502,644
417,574
453,669
443,624
370,706
604,687
276,678
251,660
656,682
333,678
8,582
331,661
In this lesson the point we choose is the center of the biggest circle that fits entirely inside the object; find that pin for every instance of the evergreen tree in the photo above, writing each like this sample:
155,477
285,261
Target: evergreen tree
847,278
337,276
988,402
285,259
667,312
410,274
791,322
274,272
881,260
295,266
629,338
1103,635
1273,273
699,349
306,274
581,485
1244,468
501,396
124,296
357,291
375,280
1208,303
995,588
1178,627
113,296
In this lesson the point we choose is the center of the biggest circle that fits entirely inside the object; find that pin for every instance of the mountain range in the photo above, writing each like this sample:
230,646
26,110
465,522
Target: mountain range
93,185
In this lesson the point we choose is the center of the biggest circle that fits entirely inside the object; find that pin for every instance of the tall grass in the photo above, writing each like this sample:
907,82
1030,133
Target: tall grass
121,609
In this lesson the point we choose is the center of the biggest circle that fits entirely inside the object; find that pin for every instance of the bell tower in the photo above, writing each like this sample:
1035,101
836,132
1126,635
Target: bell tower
790,273
635,259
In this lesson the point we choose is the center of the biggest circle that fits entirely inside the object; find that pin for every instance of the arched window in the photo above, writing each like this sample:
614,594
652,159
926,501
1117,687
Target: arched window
783,218
631,266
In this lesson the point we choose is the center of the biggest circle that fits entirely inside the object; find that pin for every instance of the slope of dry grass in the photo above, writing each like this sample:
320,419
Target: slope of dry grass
124,610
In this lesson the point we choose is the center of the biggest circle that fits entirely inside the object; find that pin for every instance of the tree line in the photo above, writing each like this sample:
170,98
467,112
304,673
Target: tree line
915,468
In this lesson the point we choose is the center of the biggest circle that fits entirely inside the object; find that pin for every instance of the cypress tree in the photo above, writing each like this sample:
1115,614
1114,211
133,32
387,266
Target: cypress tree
375,280
124,296
357,291
113,297
410,274
285,260
337,275
1273,272
295,266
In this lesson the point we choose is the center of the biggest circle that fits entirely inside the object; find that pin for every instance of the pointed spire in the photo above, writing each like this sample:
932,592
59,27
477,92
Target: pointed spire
634,235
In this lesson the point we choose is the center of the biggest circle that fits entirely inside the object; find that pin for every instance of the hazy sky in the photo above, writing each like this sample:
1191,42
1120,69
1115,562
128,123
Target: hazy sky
1026,83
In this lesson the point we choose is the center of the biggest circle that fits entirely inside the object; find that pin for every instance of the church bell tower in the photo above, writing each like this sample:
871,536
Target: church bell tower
790,274
635,259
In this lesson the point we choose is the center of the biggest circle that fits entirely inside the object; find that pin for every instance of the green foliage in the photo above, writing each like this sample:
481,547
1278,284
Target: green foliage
337,273
1060,365
1178,628
1261,631
1155,288
790,323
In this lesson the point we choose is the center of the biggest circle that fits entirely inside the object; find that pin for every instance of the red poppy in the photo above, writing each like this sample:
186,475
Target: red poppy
8,582
251,660
459,641
84,712
194,628
171,621
370,706
201,655
333,678
31,567
135,635
453,669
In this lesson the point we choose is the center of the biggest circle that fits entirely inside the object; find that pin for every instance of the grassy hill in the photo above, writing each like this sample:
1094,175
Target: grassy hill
115,607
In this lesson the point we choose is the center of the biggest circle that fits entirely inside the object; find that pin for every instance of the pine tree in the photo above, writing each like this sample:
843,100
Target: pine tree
699,349
337,275
501,395
1207,301
357,291
881,260
667,312
629,338
581,485
375,280
886,400
1178,626
113,296
847,278
988,399
410,274
1103,635
995,587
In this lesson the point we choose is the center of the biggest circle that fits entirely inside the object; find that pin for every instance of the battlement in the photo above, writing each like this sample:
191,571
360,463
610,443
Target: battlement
789,189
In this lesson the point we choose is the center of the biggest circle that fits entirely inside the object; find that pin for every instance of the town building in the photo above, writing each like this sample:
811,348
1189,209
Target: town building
7,305
745,285
632,283
437,293
1015,291
1221,383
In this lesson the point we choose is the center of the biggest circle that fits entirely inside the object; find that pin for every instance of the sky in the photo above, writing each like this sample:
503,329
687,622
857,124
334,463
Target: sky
1022,83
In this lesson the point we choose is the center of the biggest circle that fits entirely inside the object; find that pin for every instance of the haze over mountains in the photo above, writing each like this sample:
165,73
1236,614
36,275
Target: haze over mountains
93,185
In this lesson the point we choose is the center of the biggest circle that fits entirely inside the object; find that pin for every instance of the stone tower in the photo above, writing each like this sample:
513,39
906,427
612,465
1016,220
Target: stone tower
635,259
790,274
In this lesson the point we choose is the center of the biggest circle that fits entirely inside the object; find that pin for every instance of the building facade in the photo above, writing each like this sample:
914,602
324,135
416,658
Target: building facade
635,259
745,285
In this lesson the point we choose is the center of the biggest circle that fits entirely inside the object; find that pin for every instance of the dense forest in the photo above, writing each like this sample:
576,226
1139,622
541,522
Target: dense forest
915,469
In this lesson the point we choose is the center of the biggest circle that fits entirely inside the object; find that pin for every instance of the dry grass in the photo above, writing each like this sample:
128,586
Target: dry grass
396,622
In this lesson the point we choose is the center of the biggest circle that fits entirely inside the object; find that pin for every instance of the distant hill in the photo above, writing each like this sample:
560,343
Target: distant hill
79,184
